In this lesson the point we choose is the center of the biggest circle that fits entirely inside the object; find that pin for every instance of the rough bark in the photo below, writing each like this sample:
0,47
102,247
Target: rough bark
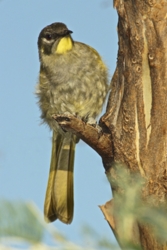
137,109
135,125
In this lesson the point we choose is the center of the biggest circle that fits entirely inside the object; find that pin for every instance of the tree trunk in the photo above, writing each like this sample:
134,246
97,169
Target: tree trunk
137,107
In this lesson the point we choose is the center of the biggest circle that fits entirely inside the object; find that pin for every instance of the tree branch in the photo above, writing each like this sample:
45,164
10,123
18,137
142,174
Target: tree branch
93,135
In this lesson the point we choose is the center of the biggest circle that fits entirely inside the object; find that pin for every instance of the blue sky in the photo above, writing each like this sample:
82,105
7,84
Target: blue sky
25,145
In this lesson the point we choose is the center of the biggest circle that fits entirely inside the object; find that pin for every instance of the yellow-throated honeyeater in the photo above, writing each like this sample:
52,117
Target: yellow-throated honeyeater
73,78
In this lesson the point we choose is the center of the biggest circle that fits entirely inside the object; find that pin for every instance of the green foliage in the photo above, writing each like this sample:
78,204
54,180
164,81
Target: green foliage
132,208
23,223
18,219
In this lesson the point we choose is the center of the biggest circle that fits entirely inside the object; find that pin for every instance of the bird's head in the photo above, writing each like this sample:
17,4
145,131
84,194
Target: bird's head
55,38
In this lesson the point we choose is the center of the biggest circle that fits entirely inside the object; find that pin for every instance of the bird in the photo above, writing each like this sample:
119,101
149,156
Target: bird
73,79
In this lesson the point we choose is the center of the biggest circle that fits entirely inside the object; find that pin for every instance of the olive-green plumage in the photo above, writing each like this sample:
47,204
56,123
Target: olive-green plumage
73,79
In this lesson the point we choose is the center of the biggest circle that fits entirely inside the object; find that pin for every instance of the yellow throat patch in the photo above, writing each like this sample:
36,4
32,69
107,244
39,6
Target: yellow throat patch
64,45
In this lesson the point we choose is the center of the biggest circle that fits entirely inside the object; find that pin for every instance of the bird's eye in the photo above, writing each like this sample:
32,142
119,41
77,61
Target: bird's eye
48,36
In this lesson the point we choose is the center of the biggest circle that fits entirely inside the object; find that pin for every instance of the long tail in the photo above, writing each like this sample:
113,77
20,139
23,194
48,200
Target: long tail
59,201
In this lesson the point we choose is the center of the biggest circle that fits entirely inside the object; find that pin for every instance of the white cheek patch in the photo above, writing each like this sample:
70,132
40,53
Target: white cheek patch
48,41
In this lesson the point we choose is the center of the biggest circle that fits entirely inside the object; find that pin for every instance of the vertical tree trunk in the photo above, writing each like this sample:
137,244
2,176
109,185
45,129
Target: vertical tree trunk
137,108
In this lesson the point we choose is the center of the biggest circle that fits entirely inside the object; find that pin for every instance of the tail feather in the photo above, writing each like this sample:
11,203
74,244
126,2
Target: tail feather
59,199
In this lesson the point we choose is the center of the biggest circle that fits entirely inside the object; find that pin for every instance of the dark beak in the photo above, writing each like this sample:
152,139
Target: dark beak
69,31
65,32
